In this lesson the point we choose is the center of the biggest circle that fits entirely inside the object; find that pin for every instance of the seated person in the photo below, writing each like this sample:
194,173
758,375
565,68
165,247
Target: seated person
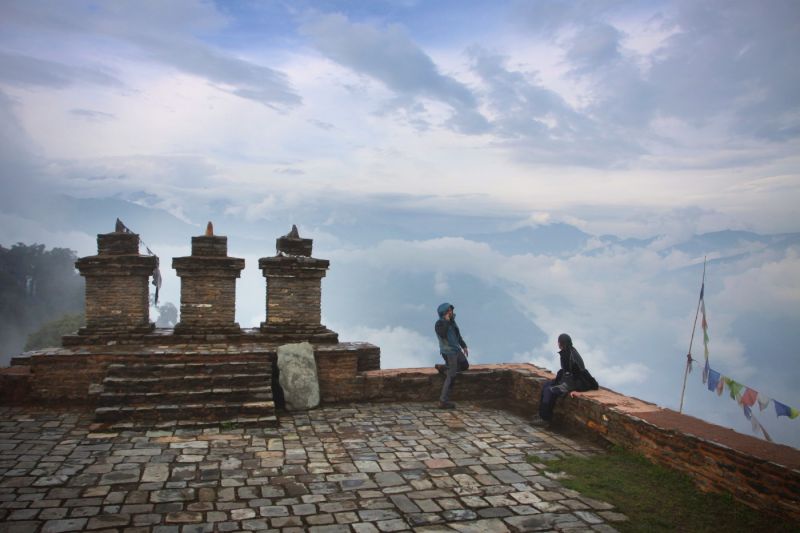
573,377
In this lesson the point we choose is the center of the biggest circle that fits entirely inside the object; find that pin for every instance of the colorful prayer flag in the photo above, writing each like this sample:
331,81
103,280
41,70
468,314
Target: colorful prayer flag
713,379
763,401
785,410
749,397
721,385
735,388
754,423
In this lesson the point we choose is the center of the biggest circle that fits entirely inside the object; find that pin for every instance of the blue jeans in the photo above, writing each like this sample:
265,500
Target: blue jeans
550,393
450,377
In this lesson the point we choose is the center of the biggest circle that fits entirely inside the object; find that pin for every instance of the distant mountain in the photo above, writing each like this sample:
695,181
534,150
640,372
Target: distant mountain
98,215
357,225
491,321
549,239
733,243
627,243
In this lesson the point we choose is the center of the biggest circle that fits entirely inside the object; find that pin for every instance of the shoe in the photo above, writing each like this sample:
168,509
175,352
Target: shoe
539,422
442,369
447,405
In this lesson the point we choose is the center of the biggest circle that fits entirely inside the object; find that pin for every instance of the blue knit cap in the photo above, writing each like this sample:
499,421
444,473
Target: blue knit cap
442,309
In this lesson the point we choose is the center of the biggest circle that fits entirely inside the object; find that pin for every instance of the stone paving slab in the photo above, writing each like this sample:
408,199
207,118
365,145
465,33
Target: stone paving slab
345,468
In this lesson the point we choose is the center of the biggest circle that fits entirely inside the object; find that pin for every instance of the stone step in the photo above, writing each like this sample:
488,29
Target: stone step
185,382
227,394
200,412
234,422
184,369
187,394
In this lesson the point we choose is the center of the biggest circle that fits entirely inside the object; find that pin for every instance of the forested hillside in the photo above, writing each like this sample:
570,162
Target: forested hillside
36,286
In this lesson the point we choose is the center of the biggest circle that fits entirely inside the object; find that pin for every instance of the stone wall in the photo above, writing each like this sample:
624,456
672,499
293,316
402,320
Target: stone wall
74,375
758,473
15,385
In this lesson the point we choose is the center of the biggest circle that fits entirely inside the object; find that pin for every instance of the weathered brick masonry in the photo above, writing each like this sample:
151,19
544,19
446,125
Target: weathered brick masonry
74,375
208,287
294,291
117,292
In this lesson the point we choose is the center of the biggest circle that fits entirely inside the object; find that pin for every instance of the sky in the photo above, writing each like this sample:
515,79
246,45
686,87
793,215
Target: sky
548,166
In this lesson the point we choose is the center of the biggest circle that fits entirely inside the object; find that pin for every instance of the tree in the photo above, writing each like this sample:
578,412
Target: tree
167,315
36,286
49,335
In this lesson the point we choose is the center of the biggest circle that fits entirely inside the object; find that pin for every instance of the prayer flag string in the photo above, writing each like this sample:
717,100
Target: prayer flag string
716,382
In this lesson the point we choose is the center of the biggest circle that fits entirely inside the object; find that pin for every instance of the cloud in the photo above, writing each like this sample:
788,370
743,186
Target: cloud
92,115
24,70
242,78
731,58
400,346
594,46
321,124
20,158
720,70
613,376
616,301
389,56
538,126
290,171
548,17
170,34
767,284
440,285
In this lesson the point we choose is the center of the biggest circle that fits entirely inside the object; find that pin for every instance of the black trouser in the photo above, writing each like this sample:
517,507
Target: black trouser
550,393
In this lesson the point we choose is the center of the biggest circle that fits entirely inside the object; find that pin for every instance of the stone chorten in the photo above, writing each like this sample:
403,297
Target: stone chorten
208,286
117,293
294,292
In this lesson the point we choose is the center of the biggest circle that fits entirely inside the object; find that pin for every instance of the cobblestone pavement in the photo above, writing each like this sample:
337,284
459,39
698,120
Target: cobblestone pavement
362,468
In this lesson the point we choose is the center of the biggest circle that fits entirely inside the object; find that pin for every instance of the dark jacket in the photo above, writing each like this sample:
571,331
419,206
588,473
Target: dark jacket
573,373
448,334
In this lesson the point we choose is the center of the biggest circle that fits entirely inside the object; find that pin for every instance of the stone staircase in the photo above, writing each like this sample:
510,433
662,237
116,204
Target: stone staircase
187,395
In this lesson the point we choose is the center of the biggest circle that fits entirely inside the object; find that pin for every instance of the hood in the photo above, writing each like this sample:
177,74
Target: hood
442,309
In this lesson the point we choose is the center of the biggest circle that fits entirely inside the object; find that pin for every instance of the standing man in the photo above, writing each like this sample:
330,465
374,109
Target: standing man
453,349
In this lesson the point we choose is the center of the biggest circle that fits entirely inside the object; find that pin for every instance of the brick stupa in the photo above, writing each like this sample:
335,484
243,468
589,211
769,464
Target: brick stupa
208,286
294,291
117,294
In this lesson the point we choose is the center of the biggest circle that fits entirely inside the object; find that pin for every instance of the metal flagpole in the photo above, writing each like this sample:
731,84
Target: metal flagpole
691,340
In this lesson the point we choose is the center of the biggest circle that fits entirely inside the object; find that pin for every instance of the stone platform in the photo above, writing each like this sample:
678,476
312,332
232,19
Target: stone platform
360,467
76,374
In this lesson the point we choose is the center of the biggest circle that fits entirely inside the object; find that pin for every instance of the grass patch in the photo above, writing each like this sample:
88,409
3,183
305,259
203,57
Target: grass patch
656,498
228,426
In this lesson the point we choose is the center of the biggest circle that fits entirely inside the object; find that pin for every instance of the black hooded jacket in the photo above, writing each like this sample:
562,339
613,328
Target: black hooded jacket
573,372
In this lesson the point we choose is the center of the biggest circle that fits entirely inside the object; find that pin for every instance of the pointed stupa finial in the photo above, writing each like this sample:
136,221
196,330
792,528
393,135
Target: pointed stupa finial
293,244
210,229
